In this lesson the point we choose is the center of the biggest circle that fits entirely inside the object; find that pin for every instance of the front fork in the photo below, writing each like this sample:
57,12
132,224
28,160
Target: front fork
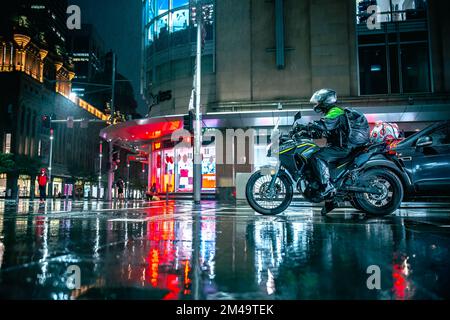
274,178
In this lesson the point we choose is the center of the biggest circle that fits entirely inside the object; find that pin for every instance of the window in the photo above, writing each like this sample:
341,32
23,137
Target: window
394,54
415,72
390,10
162,26
441,136
7,143
372,69
179,3
180,20
162,6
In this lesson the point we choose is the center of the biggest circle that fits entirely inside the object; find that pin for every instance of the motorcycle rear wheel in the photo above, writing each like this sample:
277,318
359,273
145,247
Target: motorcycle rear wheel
386,203
282,182
355,205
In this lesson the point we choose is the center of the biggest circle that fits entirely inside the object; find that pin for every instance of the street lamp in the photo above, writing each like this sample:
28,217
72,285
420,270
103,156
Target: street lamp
111,144
128,181
100,158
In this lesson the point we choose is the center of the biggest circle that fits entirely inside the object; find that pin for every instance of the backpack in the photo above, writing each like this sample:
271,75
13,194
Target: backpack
358,128
384,132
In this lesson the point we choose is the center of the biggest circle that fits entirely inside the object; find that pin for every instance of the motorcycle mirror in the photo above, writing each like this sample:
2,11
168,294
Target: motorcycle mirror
298,116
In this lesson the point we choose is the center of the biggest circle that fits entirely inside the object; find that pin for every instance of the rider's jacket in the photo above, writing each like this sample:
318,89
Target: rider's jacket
333,126
345,128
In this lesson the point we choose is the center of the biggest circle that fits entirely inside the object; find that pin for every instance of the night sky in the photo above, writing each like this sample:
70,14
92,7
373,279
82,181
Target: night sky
118,22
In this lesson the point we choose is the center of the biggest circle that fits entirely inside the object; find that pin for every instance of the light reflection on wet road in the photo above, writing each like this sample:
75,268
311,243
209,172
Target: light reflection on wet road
157,251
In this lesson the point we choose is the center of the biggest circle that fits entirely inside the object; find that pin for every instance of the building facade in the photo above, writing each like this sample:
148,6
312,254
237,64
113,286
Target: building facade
35,80
87,50
75,150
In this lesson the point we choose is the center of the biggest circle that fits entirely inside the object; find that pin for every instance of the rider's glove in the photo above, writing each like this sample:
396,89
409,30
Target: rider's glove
314,131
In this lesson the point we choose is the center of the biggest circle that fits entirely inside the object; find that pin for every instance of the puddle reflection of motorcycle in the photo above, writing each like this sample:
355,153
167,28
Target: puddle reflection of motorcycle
368,178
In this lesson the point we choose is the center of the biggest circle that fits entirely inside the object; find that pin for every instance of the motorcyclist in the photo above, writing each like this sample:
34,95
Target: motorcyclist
344,129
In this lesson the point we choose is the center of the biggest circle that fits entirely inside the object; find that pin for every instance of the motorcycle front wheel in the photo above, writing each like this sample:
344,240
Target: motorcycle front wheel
265,201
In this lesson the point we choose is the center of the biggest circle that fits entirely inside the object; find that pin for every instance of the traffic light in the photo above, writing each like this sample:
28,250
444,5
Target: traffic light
188,122
46,121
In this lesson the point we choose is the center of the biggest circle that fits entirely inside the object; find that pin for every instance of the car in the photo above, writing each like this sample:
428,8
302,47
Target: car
425,157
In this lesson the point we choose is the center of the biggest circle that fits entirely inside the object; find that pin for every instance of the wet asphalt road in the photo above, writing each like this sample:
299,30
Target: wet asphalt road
156,250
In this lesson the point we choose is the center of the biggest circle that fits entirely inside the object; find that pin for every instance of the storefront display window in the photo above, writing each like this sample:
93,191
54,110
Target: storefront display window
3,185
79,189
173,168
57,187
209,168
185,169
24,184
87,190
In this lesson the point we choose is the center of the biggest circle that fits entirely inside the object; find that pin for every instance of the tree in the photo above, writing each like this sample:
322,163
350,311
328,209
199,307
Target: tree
26,165
19,164
6,162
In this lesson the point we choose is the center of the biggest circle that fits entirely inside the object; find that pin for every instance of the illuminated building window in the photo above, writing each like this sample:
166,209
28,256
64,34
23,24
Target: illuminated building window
39,148
7,143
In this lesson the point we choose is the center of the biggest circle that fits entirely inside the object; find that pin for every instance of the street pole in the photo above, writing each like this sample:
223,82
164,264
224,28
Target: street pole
198,116
128,181
50,160
100,156
111,144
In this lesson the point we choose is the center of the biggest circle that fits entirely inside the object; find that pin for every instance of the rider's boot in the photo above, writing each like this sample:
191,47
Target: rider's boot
324,172
330,205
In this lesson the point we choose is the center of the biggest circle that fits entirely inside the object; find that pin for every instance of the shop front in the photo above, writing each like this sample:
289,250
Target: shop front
24,184
170,164
172,168
58,187
3,185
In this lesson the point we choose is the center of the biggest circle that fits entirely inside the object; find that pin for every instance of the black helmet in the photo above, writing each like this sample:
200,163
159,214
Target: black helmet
323,99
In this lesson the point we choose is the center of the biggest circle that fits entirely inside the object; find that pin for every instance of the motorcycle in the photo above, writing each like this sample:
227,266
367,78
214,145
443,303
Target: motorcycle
368,178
